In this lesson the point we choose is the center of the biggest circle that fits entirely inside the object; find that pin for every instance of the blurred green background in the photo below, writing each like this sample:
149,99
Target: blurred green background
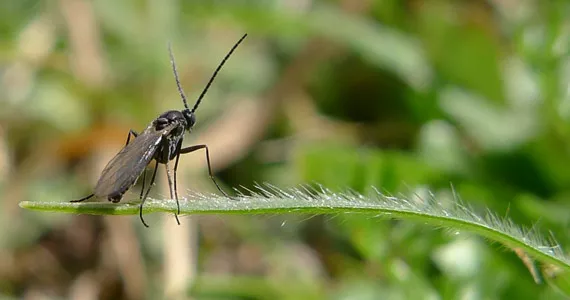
401,95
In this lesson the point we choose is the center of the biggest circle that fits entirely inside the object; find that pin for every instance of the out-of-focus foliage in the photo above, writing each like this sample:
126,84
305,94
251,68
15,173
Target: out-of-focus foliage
401,95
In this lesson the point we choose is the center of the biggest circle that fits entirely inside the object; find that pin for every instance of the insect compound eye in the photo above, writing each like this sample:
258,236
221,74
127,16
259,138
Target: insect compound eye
190,118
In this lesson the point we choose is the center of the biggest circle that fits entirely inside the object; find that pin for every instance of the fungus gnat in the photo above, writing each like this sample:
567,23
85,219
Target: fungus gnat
161,141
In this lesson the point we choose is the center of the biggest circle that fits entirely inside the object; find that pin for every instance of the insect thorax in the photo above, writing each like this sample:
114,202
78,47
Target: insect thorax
171,117
176,124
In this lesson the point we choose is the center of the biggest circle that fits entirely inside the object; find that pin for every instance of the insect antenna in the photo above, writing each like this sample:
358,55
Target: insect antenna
181,91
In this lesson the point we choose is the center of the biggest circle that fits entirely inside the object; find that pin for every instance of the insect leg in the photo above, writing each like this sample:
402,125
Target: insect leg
175,169
146,194
82,199
133,133
143,182
170,189
198,147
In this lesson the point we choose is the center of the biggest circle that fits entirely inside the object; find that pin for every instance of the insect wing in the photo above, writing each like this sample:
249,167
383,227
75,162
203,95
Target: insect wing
124,169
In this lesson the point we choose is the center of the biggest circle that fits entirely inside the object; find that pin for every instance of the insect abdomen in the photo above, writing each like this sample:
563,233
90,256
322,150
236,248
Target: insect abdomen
117,197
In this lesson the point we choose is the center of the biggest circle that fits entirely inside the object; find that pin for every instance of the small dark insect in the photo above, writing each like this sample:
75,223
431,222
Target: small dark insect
161,141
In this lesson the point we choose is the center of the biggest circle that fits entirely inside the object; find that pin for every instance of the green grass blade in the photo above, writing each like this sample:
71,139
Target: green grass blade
271,200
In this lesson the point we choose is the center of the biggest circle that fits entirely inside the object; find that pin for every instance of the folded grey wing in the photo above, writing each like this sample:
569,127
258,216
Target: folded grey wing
124,169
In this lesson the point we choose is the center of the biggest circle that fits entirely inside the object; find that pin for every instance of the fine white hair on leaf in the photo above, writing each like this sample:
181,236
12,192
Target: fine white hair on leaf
426,207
